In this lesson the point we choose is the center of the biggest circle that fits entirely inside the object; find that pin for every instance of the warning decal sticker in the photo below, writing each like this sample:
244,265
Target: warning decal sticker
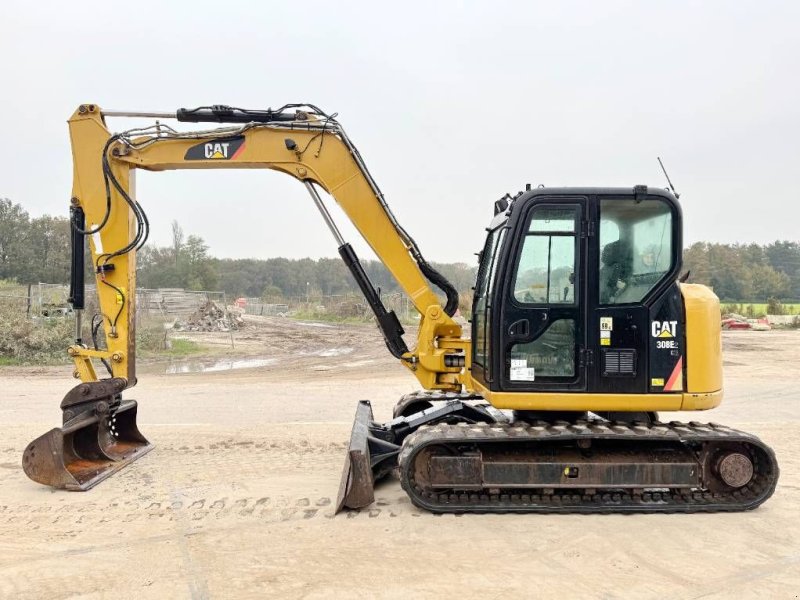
675,381
520,371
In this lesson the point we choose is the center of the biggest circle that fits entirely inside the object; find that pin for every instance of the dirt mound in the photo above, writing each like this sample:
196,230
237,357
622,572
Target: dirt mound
211,317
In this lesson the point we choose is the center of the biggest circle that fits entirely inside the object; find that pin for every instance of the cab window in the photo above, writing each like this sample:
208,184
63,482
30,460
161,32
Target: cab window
635,249
482,304
546,269
552,354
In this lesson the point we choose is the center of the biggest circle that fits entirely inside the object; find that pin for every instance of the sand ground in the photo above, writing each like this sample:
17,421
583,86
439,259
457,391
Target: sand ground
237,498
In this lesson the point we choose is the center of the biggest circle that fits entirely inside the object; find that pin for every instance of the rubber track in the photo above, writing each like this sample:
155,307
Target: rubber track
761,486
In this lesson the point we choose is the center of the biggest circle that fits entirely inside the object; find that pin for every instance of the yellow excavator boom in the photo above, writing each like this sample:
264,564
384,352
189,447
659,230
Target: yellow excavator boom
310,148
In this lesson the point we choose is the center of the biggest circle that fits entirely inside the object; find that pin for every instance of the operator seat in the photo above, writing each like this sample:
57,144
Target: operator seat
617,263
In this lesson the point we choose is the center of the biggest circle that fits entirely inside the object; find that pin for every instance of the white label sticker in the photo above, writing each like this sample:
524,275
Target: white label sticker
520,370
604,335
98,243
606,323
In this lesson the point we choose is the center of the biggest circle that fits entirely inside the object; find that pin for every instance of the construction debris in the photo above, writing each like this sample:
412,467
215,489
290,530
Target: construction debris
211,317
736,321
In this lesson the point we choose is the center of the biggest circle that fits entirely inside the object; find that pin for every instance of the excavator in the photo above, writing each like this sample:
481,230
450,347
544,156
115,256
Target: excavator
583,329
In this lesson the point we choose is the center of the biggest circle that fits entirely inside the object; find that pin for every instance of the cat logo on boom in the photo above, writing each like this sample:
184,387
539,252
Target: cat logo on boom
220,149
217,149
664,329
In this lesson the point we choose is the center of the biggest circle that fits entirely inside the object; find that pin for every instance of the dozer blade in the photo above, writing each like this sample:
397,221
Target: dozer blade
374,448
356,489
99,437
372,453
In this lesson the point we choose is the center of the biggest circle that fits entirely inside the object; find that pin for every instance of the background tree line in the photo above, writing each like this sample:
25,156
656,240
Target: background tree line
34,250
746,272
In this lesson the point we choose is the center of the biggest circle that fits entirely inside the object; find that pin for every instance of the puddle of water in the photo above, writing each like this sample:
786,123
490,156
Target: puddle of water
229,364
327,352
313,324
359,363
330,352
225,364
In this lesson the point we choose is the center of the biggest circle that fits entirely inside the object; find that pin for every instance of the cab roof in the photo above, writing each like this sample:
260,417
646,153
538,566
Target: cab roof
582,191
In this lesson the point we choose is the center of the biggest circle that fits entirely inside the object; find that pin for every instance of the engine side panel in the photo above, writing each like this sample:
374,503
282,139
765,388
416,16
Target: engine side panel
703,339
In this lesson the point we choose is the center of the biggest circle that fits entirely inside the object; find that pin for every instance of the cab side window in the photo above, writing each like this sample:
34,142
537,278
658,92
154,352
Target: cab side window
479,304
546,270
482,306
635,248
547,276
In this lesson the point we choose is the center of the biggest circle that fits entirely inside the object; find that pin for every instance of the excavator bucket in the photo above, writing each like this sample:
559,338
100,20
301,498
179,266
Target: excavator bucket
98,438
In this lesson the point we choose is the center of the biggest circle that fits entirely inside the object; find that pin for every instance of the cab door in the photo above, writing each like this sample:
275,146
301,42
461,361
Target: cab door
543,324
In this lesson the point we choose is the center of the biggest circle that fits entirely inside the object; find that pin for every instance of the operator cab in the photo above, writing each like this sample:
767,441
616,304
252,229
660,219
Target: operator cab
570,283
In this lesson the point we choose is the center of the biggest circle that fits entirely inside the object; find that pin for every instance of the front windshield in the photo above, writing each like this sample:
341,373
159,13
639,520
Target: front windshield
635,248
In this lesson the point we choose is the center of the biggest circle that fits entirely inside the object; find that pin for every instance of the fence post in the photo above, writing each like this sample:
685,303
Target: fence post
228,315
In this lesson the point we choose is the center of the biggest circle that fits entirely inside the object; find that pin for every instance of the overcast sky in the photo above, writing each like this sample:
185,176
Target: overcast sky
451,105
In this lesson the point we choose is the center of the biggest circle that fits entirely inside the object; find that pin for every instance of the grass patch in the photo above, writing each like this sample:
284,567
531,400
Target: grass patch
333,317
26,341
758,309
44,341
153,341
182,347
328,317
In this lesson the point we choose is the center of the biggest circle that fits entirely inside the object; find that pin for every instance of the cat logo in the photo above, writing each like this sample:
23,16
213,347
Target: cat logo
664,329
217,150
223,149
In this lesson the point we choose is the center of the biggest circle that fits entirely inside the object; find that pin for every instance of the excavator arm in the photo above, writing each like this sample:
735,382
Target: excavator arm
99,434
306,145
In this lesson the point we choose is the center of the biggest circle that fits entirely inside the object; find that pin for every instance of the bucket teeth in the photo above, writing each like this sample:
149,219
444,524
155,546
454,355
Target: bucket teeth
99,437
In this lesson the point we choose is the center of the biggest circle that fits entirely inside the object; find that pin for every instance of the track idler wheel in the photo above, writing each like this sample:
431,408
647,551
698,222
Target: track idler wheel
735,469
732,466
98,438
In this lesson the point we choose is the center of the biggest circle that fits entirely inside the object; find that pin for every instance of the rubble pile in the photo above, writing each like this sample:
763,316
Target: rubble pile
736,321
210,317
